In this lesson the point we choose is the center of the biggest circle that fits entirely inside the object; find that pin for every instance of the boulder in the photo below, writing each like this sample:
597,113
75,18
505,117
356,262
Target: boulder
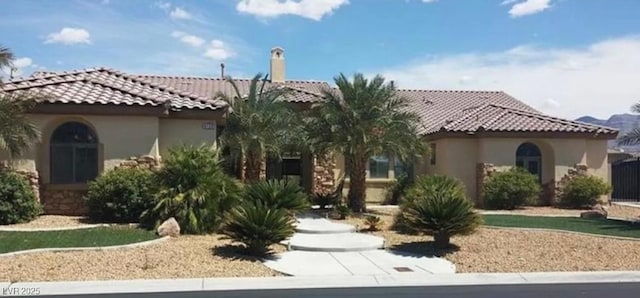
593,214
601,208
169,227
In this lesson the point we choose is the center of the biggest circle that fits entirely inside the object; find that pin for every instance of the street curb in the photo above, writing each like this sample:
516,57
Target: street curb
561,231
264,283
70,249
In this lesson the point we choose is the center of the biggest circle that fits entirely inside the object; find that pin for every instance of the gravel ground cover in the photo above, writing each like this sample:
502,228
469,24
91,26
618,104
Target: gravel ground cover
182,257
52,221
501,250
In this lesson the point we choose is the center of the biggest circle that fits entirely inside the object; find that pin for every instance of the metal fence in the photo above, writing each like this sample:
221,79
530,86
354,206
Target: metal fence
625,179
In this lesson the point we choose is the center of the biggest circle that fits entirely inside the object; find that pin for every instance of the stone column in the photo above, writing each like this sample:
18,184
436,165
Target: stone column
483,173
323,175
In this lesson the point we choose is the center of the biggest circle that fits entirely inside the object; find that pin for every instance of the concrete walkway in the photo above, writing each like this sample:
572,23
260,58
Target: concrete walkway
324,248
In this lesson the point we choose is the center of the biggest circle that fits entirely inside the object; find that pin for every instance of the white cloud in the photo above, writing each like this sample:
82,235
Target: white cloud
311,9
191,40
527,7
180,14
598,80
22,62
218,50
166,6
69,36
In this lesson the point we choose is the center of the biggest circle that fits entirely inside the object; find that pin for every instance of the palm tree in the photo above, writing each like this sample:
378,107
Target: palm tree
256,124
632,137
365,118
16,131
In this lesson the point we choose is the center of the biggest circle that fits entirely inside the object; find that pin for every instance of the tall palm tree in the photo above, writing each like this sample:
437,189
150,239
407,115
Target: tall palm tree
632,137
16,131
365,118
256,124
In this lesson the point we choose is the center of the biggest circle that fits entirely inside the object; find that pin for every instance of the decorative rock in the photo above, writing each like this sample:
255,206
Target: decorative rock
601,209
169,227
593,214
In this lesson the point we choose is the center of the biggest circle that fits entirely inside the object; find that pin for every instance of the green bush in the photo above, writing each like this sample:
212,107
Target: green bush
18,202
437,206
193,189
121,195
584,191
278,194
397,190
258,226
324,199
511,189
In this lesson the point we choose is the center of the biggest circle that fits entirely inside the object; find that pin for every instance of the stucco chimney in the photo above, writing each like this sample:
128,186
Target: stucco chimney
277,65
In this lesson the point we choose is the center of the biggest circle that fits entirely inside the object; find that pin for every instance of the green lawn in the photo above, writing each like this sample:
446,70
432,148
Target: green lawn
592,226
105,236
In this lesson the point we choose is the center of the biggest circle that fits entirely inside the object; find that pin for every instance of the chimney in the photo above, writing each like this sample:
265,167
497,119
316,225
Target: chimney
277,65
222,70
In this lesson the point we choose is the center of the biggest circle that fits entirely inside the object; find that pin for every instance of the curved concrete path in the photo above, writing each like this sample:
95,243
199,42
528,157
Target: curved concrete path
324,248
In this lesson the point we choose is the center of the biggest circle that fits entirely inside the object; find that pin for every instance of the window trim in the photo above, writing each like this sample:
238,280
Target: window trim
74,146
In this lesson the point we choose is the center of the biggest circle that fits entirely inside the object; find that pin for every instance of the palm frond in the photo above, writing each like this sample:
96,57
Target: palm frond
630,139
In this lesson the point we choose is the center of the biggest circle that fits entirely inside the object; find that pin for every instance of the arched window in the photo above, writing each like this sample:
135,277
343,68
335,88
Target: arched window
74,154
528,156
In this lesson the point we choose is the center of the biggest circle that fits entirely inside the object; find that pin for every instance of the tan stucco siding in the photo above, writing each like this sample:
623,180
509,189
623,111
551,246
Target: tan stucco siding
119,137
458,158
174,132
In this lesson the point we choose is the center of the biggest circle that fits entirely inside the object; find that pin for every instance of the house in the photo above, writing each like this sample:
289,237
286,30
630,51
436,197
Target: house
96,119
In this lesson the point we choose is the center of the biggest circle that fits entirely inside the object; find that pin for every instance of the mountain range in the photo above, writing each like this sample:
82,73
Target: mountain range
622,122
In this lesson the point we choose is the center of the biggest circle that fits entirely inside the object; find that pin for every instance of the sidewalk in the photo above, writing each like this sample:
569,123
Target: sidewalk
260,283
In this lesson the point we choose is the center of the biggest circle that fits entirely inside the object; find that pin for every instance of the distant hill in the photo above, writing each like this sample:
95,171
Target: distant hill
622,122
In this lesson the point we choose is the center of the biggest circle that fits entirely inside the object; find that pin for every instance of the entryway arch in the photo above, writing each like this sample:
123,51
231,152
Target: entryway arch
529,157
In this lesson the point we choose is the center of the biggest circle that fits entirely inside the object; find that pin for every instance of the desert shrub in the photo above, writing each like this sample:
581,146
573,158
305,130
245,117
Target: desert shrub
324,200
18,202
258,226
340,211
437,206
373,222
121,195
194,189
278,194
584,191
511,189
397,190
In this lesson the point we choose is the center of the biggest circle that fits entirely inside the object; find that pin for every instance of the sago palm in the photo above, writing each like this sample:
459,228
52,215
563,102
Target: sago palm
437,206
278,194
256,124
361,119
632,137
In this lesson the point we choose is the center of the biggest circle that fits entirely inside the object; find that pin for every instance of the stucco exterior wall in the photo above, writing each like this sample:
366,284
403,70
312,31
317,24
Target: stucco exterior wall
119,138
174,132
458,158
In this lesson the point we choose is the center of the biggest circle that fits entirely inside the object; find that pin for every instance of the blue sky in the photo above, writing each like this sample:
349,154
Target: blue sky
565,57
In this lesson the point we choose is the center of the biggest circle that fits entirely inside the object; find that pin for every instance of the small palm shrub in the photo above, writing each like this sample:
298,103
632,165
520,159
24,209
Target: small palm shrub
584,191
437,206
373,222
511,189
193,189
121,195
323,199
397,189
18,202
258,226
278,194
341,211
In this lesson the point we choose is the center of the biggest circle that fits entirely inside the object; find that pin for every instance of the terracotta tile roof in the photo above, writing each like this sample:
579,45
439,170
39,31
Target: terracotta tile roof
440,110
301,91
498,118
107,86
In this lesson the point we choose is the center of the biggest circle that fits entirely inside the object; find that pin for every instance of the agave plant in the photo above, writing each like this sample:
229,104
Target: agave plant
194,190
437,206
257,226
278,194
373,222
